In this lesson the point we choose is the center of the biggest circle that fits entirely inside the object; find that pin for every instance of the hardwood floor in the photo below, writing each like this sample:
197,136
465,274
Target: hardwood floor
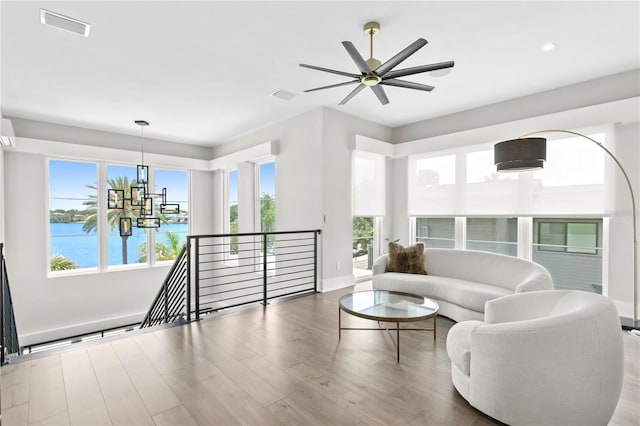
279,365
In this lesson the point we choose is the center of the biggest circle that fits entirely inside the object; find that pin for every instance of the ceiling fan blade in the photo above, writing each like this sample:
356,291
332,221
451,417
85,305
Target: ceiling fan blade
407,84
382,96
360,62
346,74
419,69
352,94
332,85
400,56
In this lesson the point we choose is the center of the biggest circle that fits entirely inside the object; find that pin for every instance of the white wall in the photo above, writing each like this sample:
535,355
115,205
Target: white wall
2,203
627,150
201,205
339,136
313,180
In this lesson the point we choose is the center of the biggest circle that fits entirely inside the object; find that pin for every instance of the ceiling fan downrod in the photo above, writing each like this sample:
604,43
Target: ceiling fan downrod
371,29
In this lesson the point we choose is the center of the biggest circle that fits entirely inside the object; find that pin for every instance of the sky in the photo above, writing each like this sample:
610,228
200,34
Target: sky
70,180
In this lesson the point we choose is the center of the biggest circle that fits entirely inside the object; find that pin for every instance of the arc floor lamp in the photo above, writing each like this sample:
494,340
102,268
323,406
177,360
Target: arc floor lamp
529,153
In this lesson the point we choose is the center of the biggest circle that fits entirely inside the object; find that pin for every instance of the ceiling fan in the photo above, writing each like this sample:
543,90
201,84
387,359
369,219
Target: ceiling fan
375,74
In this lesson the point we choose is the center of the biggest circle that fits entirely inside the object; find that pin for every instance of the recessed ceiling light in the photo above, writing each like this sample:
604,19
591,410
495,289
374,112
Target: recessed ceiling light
548,47
64,22
283,94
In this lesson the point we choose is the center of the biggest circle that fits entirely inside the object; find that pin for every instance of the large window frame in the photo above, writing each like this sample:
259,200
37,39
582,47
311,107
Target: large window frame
75,268
229,255
565,245
102,233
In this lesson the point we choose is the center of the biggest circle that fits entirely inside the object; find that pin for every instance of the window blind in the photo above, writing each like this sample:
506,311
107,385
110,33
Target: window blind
464,182
369,184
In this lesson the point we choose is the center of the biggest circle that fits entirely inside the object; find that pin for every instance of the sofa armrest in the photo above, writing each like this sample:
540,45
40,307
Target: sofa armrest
380,264
536,282
519,307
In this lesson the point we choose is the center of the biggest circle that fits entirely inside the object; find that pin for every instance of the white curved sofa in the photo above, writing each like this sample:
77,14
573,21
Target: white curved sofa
541,358
461,281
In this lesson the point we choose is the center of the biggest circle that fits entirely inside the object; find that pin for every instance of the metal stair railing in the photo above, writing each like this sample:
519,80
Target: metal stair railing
232,270
170,304
9,344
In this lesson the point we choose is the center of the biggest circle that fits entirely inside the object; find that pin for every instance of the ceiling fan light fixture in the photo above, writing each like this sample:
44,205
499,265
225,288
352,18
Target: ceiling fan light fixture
370,80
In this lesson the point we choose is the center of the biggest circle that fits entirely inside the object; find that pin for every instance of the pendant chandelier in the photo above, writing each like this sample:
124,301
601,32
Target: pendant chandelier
140,199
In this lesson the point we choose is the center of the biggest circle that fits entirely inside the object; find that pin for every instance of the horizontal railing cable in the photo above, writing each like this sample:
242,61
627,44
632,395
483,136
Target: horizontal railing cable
231,270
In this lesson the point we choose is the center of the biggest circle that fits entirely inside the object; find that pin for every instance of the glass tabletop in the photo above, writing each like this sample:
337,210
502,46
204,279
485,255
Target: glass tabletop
382,305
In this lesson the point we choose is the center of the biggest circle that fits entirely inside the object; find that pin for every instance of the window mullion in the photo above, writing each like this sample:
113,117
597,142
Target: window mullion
101,205
150,232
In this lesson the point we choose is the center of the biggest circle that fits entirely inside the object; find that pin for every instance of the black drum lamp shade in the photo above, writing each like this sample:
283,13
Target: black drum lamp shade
520,155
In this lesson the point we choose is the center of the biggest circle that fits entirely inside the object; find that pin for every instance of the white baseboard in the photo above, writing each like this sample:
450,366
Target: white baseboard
28,339
336,283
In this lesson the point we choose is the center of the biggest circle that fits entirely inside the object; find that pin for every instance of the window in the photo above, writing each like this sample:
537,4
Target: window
231,219
569,249
363,230
568,237
123,250
497,235
172,235
73,242
267,196
436,232
76,224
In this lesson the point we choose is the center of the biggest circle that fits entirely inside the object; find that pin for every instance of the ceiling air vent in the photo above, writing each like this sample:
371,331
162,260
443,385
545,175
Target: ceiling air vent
64,22
283,94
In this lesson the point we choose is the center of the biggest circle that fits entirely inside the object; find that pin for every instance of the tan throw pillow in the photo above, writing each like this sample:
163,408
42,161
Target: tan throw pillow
409,260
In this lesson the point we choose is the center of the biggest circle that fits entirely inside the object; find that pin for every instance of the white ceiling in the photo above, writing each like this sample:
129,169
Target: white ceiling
202,72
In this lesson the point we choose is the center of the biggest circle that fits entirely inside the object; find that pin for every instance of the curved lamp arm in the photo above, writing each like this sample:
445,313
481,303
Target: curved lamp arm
633,208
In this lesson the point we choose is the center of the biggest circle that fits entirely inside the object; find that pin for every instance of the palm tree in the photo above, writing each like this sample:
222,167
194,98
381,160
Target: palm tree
164,251
113,215
60,263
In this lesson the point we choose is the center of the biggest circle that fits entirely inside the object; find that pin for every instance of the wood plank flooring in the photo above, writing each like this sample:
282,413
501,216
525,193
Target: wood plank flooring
282,365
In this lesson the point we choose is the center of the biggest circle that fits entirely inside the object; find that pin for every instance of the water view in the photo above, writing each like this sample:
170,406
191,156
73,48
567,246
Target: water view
70,241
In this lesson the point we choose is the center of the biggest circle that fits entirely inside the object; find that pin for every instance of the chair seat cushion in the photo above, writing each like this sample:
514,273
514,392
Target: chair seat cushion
459,344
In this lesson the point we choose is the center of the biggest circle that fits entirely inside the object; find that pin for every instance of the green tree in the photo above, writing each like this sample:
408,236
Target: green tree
233,228
362,234
60,263
267,213
268,218
164,251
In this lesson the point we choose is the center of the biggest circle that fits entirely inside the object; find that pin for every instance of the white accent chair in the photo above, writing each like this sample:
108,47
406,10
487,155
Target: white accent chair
541,358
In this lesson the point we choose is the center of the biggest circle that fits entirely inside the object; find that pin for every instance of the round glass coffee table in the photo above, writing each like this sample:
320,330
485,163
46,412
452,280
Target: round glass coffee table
388,306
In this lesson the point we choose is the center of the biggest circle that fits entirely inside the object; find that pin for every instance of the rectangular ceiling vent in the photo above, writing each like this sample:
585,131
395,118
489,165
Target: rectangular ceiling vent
283,94
64,22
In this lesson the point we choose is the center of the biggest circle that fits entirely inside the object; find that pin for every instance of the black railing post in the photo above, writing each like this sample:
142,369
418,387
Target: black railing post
2,313
197,270
315,261
264,269
166,301
188,304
